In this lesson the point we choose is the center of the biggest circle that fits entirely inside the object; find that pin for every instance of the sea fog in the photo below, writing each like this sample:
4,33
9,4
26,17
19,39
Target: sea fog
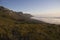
52,20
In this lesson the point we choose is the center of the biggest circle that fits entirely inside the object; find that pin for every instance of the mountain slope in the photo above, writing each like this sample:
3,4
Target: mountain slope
19,26
17,16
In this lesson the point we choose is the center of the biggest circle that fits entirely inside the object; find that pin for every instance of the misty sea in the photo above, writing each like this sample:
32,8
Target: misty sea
52,20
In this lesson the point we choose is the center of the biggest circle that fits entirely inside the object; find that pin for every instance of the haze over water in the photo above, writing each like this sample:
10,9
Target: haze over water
51,20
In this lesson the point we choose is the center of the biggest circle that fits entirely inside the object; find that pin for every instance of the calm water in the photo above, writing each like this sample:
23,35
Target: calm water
48,19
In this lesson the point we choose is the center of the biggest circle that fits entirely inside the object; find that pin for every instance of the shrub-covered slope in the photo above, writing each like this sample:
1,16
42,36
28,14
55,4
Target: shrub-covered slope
25,29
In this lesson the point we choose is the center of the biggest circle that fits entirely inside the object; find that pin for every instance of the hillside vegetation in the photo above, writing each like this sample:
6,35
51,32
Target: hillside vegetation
19,26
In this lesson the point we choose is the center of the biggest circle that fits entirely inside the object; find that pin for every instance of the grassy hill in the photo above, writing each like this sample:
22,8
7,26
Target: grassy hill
21,27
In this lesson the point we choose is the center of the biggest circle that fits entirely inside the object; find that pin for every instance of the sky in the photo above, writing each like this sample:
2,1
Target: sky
46,8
